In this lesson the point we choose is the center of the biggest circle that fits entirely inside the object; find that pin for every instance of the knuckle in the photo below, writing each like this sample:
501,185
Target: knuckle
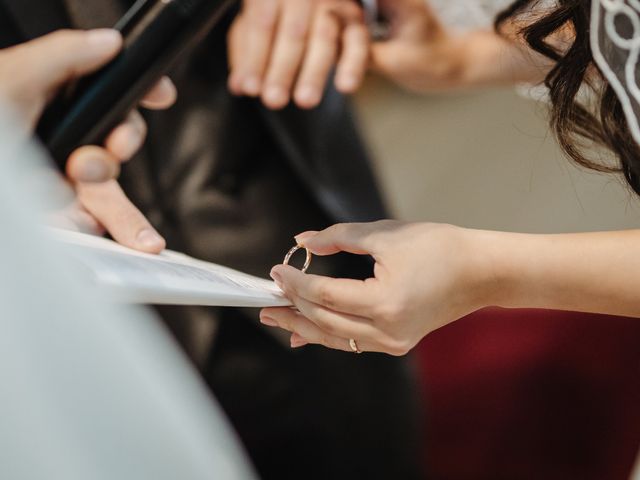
326,294
96,194
63,34
356,10
399,351
328,327
358,53
286,323
236,33
295,29
65,39
338,229
352,11
397,348
389,312
266,23
260,15
327,32
325,340
290,287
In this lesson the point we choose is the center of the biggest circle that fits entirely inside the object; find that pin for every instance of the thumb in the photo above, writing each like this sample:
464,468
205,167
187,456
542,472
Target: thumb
354,238
57,58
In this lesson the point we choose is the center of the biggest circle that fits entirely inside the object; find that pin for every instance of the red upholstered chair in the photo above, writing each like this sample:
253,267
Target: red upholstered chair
523,394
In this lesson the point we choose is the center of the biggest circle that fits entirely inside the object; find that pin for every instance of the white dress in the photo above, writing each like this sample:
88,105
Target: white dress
467,14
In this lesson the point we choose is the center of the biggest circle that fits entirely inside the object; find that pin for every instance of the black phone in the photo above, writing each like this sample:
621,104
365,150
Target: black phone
156,33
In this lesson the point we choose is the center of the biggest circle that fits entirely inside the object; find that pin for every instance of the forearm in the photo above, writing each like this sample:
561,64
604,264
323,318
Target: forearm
488,59
591,272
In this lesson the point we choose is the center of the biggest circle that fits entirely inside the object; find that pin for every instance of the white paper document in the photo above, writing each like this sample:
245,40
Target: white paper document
170,278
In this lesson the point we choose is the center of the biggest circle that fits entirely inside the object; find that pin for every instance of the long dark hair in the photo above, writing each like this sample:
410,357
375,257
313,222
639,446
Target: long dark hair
579,125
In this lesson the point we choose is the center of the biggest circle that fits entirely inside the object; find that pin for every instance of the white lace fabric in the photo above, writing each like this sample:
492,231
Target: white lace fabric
615,43
469,14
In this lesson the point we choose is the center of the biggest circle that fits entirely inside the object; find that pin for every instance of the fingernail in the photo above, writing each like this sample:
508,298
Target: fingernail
149,239
276,96
308,95
300,239
269,322
251,85
104,38
276,278
297,341
92,171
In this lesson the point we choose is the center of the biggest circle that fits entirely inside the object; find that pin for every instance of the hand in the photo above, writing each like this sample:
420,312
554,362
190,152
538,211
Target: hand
279,49
422,55
32,73
103,207
425,276
419,54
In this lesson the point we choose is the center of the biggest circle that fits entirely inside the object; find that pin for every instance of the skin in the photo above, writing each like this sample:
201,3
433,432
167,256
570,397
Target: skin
283,50
30,76
289,47
279,50
429,275
283,45
421,55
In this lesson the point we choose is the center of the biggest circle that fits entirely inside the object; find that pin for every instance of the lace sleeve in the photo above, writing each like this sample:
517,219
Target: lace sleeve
469,14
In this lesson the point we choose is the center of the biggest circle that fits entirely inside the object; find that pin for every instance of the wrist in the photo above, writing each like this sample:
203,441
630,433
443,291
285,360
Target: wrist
595,272
456,61
516,270
445,64
480,275
497,267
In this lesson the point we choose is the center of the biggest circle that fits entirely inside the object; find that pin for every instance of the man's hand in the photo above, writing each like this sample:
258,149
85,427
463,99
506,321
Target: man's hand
284,49
103,207
32,73
30,76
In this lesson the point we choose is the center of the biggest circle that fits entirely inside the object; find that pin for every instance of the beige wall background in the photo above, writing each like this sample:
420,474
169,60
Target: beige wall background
483,160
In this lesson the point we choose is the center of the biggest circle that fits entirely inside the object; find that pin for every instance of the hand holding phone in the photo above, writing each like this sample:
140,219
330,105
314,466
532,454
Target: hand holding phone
155,33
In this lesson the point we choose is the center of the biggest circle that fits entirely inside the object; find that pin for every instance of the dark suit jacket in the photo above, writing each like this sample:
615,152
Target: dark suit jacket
322,146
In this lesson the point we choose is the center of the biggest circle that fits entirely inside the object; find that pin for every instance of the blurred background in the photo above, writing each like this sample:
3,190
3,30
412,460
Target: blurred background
484,160
510,394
